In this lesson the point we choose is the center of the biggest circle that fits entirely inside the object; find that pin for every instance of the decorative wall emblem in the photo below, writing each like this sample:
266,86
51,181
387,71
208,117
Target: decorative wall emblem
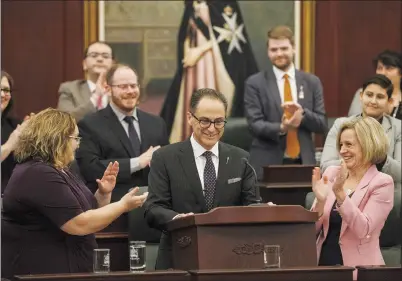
231,31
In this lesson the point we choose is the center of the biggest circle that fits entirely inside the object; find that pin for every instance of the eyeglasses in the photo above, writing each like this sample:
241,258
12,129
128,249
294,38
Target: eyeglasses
206,123
126,86
94,55
78,139
6,91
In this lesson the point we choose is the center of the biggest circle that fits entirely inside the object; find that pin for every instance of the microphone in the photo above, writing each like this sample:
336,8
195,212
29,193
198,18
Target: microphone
256,193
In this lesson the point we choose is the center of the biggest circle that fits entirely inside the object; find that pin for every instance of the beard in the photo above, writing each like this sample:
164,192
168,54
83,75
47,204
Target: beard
124,105
286,62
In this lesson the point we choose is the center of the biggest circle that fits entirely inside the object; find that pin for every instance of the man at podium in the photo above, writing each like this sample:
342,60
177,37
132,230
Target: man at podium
198,174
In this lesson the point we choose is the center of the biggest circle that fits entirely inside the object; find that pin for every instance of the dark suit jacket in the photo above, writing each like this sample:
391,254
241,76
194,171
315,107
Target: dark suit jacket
175,187
74,98
264,115
104,140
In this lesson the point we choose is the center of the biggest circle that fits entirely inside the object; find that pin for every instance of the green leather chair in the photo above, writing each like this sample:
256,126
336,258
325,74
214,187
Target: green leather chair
391,236
237,133
138,230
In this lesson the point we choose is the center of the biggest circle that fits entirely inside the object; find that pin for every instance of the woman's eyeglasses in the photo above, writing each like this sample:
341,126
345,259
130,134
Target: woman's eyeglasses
78,139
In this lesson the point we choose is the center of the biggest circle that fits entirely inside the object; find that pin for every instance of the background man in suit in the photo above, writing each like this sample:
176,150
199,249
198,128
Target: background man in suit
199,173
80,97
375,97
120,132
283,106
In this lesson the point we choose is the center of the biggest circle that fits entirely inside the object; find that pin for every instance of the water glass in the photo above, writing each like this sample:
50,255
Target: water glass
137,256
272,256
101,261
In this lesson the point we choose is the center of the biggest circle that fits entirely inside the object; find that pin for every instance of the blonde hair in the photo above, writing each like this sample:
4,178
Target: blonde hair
281,32
371,136
46,138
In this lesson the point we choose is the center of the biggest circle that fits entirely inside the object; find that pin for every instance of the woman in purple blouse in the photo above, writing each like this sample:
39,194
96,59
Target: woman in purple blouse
49,216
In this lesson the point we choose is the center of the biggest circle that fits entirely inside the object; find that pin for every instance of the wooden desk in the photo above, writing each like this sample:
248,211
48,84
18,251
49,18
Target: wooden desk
336,273
115,238
377,273
285,193
117,242
171,275
286,184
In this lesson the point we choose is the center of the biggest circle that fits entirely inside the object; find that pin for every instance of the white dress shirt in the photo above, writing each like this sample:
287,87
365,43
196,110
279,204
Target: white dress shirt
201,161
280,80
105,98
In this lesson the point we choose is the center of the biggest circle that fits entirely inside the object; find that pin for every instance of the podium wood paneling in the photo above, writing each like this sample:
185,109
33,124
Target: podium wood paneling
234,237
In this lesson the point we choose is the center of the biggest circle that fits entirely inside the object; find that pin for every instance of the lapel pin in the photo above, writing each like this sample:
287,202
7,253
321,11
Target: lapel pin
301,92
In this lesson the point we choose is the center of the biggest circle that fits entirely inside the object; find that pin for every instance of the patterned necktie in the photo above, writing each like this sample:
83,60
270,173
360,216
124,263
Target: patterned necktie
133,136
209,180
292,141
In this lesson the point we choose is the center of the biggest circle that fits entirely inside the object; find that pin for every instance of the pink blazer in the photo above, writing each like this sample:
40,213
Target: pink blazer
363,217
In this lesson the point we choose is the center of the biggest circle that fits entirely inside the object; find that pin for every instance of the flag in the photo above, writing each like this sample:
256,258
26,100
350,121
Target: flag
215,48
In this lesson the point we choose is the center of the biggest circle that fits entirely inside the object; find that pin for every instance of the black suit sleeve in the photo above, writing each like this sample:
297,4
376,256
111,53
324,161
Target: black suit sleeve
158,207
90,158
164,135
249,189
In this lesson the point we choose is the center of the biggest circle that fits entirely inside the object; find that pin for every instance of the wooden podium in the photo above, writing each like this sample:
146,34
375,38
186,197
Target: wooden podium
234,237
286,184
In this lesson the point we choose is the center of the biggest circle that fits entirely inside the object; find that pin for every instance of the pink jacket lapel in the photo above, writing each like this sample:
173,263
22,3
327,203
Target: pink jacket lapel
361,190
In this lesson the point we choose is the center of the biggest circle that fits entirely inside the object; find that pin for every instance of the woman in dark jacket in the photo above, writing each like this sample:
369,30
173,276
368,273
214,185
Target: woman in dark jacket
10,129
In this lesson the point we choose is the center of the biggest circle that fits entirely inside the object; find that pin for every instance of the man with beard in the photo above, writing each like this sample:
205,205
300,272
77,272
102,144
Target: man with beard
283,106
80,97
121,132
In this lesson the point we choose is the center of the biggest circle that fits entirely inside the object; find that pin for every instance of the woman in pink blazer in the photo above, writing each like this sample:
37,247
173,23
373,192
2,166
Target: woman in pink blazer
354,200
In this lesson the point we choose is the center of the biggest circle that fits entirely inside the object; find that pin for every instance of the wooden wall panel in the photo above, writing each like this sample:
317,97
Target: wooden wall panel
348,35
42,45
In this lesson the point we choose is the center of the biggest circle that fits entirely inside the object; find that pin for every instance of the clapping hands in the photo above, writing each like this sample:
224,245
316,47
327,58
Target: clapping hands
340,179
293,115
320,185
108,181
132,201
146,157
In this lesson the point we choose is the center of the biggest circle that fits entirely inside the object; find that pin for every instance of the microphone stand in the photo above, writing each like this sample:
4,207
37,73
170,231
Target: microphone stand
256,193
